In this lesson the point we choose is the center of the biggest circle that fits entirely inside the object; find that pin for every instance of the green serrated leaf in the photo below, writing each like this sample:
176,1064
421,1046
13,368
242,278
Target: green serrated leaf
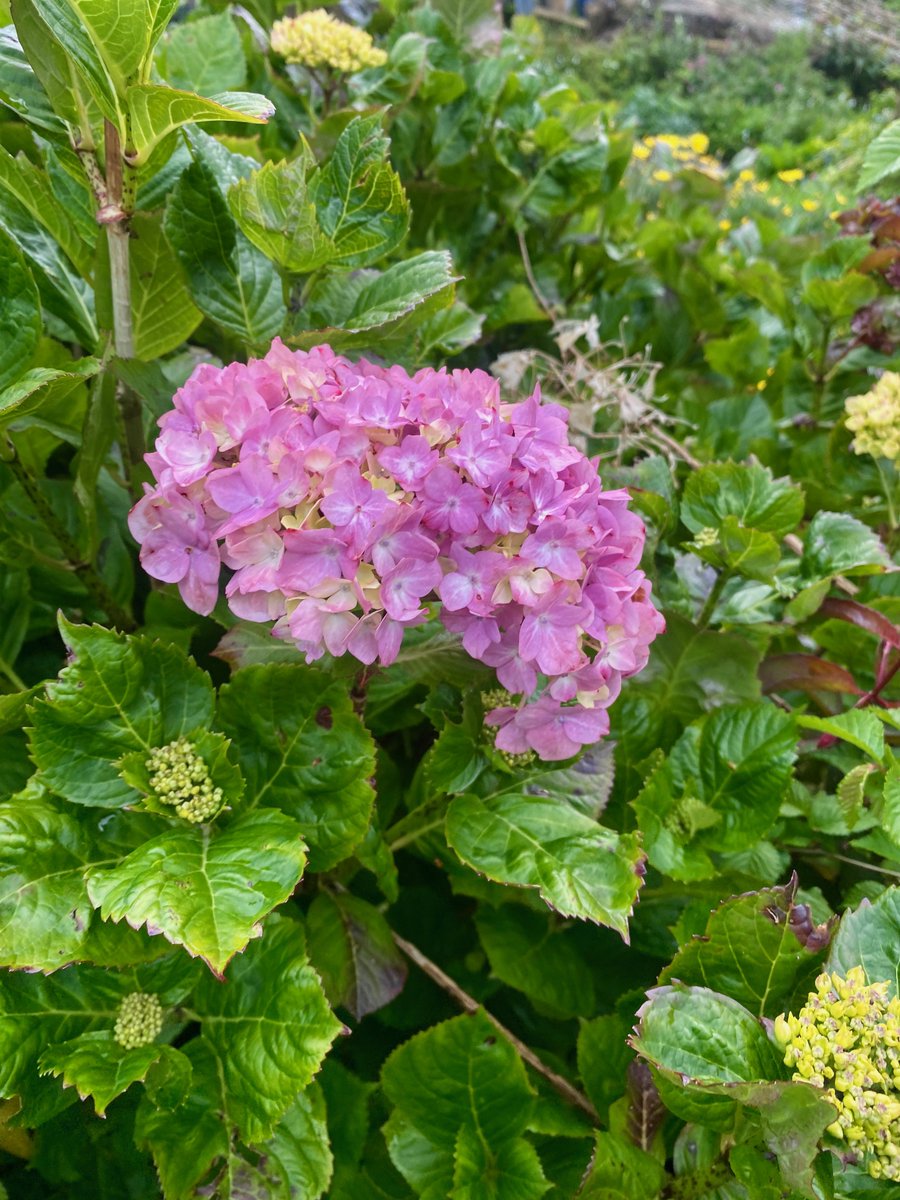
580,868
37,1011
97,1066
359,199
620,1171
118,694
857,726
459,1074
719,790
157,111
351,946
232,283
869,937
21,90
512,1171
273,208
603,1058
203,56
303,748
269,1026
42,387
759,948
205,888
851,792
531,952
839,544
748,494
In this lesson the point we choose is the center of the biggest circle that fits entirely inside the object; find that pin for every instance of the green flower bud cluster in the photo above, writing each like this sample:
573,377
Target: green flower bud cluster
846,1039
497,697
139,1020
180,777
706,537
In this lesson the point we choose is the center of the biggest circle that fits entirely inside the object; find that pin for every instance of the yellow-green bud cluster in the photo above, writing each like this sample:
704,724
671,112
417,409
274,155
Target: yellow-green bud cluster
874,418
706,537
139,1020
846,1039
315,39
497,697
180,777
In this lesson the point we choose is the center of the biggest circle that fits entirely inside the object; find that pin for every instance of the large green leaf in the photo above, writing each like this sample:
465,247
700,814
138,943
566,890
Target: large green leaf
719,790
157,111
749,494
42,387
303,748
839,544
269,1026
274,209
162,311
20,88
45,913
96,1065
203,56
31,188
37,1011
64,29
359,199
621,1171
118,694
531,951
298,1155
186,1141
369,308
462,1091
870,937
205,889
882,157
231,281
20,313
760,948
351,947
695,1036
580,868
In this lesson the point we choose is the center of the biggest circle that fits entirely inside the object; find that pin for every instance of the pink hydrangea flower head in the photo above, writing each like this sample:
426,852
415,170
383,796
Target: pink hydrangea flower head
349,501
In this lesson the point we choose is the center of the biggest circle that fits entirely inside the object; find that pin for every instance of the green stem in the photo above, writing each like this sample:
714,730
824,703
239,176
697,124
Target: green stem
420,820
12,675
715,592
92,580
886,487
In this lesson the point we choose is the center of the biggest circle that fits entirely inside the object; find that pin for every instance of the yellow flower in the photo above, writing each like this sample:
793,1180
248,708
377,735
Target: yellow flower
662,176
761,386
875,419
846,1041
640,150
315,39
699,143
787,210
746,175
762,187
841,198
725,224
794,175
809,205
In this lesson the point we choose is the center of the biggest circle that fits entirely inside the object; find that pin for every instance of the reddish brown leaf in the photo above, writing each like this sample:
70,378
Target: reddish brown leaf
863,617
805,673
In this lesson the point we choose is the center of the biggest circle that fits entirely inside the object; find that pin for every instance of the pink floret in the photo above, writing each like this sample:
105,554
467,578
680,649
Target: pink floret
345,498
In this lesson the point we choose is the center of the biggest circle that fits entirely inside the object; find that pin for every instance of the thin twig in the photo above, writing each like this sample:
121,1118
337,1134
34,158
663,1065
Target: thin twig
532,281
470,1005
795,546
810,852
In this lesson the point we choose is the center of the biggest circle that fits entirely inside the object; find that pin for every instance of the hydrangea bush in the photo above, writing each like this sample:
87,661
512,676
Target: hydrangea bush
344,497
369,829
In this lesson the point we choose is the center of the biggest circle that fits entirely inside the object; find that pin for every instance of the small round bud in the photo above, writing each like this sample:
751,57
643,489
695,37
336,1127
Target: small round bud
180,778
139,1020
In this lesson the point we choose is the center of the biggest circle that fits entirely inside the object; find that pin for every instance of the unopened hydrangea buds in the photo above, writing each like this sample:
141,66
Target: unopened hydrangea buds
846,1039
344,498
316,39
139,1020
874,418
